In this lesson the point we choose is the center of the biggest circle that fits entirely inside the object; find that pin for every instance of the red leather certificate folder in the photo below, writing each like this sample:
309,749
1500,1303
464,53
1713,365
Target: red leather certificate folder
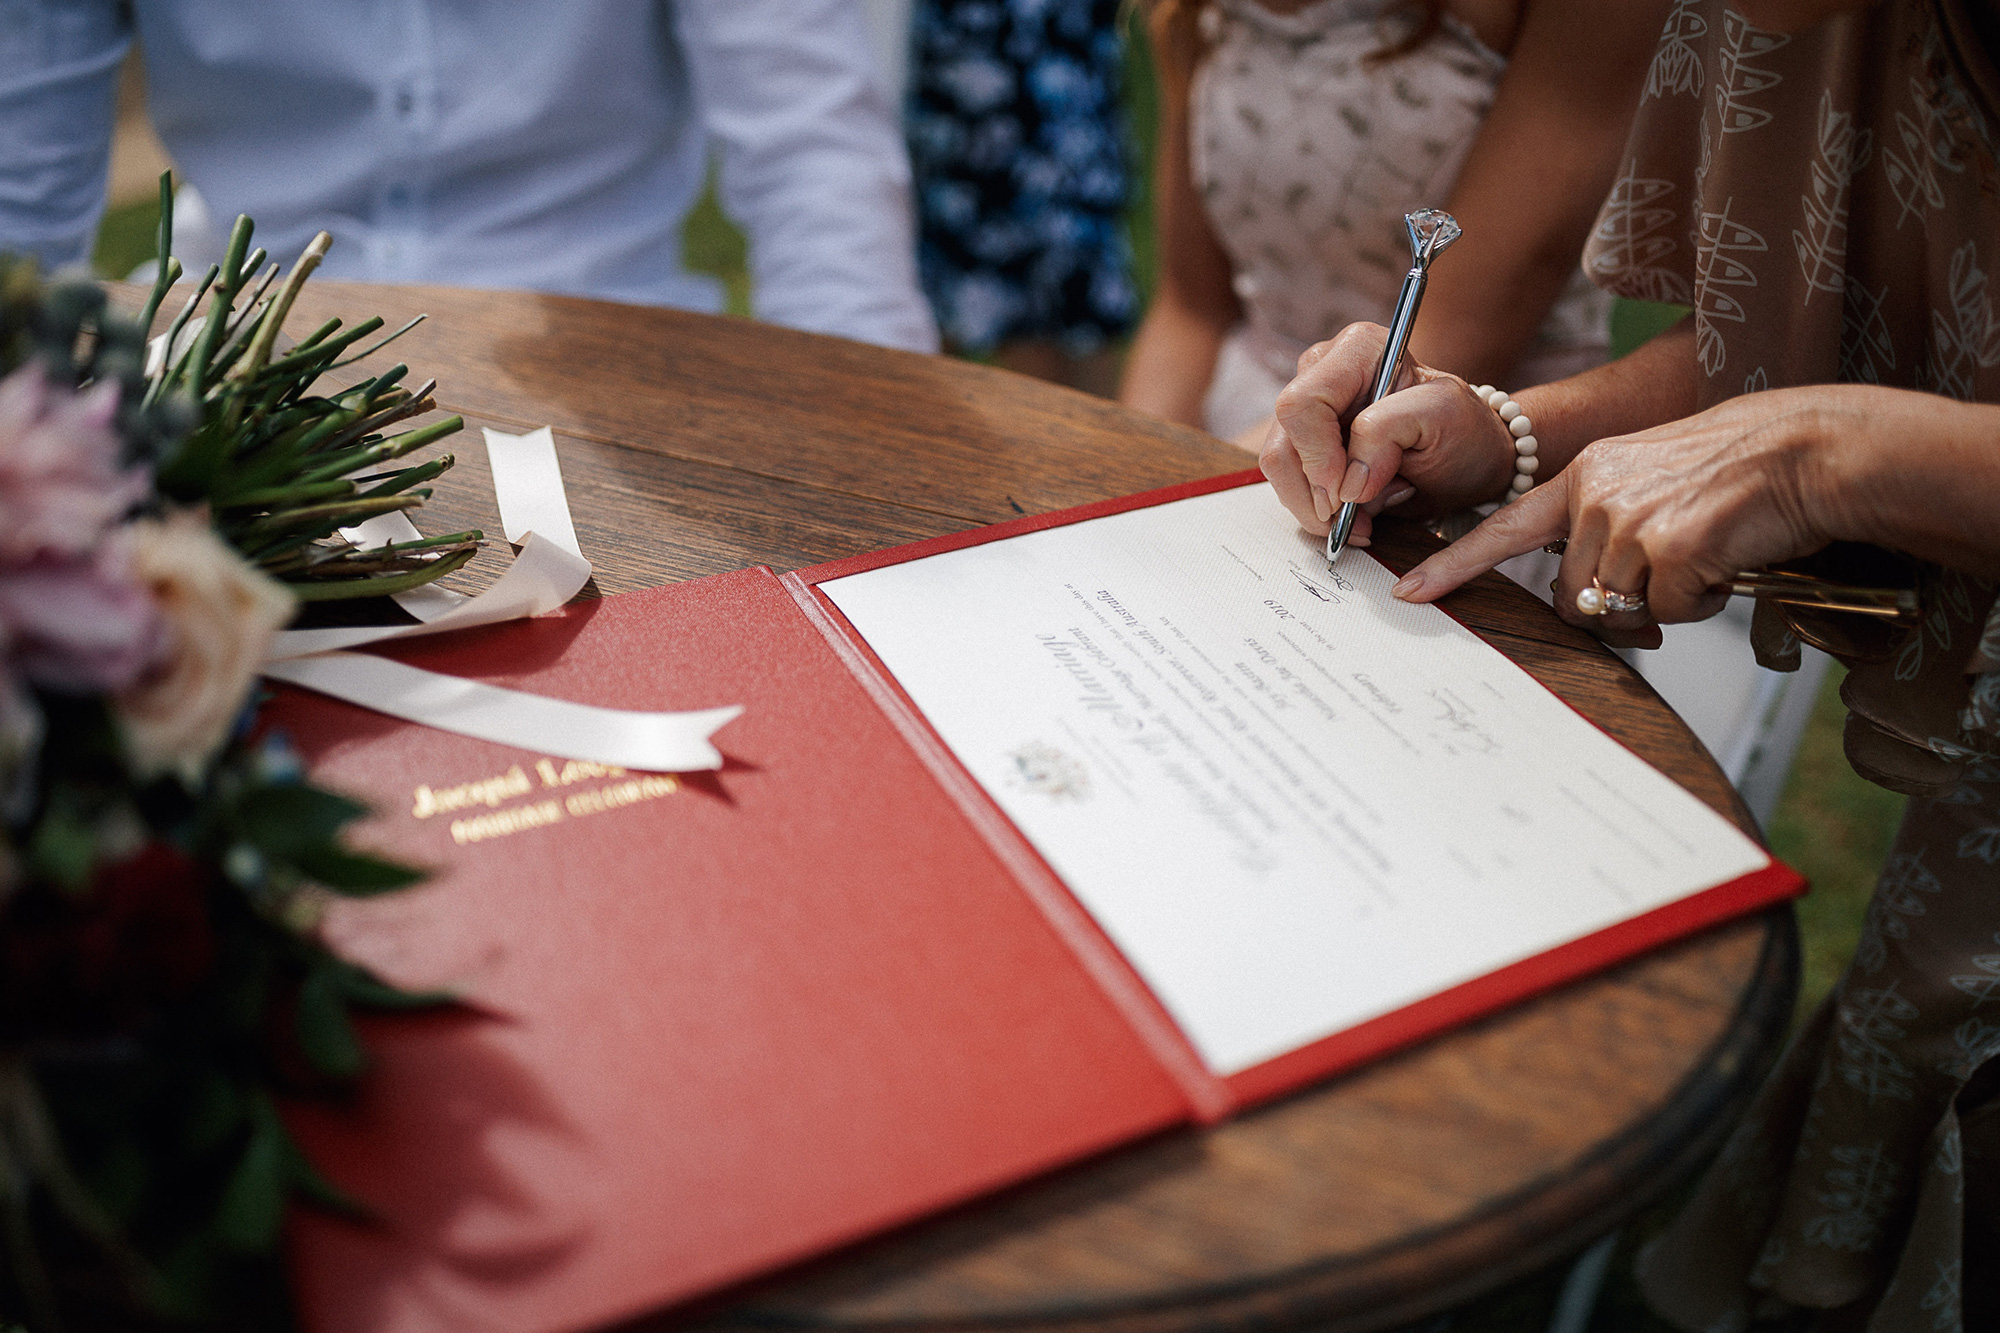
720,1023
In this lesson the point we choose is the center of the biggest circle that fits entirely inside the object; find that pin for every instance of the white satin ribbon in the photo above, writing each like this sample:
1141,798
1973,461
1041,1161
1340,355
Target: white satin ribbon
527,481
662,742
549,571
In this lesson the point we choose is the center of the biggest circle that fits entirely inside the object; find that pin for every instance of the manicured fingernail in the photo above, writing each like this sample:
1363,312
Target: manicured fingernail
1408,586
1360,541
1397,496
1352,484
1322,503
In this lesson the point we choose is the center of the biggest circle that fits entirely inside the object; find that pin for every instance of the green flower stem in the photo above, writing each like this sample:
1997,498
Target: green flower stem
364,355
332,515
391,555
224,303
408,477
385,381
393,447
309,354
167,364
284,497
163,246
251,311
374,395
304,363
274,318
311,341
400,408
378,587
170,273
449,539
329,425
350,566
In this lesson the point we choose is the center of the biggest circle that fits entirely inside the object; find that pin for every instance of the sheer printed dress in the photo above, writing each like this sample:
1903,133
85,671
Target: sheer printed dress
1828,201
1307,154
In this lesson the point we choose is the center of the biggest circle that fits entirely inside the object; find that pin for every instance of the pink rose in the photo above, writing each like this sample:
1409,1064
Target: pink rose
84,624
74,616
62,481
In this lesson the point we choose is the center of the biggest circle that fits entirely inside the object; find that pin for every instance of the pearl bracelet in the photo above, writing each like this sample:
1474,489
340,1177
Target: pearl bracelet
1517,424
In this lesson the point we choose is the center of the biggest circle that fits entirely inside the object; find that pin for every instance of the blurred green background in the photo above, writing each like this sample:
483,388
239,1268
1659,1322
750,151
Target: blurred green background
1831,825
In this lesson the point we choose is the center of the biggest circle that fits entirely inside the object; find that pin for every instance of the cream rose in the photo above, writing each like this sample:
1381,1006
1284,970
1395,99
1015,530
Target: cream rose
220,615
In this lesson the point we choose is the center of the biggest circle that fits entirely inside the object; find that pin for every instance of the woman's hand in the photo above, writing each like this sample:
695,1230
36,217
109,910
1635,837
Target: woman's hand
1669,513
1430,441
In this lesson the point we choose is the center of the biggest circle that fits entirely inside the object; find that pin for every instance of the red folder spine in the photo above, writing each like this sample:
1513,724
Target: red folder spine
1209,1097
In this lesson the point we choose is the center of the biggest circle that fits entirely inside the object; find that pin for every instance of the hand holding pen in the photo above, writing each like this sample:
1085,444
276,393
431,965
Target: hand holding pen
1405,437
1431,231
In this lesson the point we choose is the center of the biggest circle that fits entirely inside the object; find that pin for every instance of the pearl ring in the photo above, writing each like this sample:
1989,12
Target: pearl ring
1597,599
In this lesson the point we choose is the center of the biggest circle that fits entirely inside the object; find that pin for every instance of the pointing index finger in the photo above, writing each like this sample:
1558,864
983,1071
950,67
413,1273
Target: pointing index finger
1536,519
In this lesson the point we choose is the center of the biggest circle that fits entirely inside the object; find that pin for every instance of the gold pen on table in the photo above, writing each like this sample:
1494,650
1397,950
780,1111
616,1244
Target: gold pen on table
1795,589
1778,585
1431,230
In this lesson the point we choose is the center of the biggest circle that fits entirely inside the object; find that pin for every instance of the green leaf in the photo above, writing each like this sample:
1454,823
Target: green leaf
286,821
118,1179
325,1035
63,848
216,1114
242,998
364,988
187,1281
353,874
253,1203
410,476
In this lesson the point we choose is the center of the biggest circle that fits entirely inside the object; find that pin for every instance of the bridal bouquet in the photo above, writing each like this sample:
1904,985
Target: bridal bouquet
163,866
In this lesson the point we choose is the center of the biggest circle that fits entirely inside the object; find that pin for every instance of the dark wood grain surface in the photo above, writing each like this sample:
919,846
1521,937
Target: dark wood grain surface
692,445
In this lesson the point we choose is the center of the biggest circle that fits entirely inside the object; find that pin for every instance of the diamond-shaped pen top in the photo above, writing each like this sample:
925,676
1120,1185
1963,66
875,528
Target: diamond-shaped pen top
1431,230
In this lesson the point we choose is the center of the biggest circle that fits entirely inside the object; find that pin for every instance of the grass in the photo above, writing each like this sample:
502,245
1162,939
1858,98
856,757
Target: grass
1635,322
1835,828
125,239
712,244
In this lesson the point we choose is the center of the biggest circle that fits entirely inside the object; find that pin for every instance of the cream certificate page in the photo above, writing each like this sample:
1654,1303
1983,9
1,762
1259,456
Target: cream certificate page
1293,802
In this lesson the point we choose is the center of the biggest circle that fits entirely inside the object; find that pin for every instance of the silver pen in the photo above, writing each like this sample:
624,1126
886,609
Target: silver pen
1431,230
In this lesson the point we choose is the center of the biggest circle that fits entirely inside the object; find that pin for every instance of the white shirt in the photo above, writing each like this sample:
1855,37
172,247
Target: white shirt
551,145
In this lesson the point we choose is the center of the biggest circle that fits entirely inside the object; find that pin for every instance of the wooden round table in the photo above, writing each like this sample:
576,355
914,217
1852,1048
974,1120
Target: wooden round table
692,445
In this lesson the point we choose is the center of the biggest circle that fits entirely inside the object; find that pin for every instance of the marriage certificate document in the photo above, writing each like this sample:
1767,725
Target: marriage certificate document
1293,802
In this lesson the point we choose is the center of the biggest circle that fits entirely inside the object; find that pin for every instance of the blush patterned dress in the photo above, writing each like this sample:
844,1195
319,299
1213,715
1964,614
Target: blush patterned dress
1307,154
1828,201
1018,144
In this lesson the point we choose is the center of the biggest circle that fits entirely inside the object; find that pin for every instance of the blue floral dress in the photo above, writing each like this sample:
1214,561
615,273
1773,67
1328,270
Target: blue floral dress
1018,143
